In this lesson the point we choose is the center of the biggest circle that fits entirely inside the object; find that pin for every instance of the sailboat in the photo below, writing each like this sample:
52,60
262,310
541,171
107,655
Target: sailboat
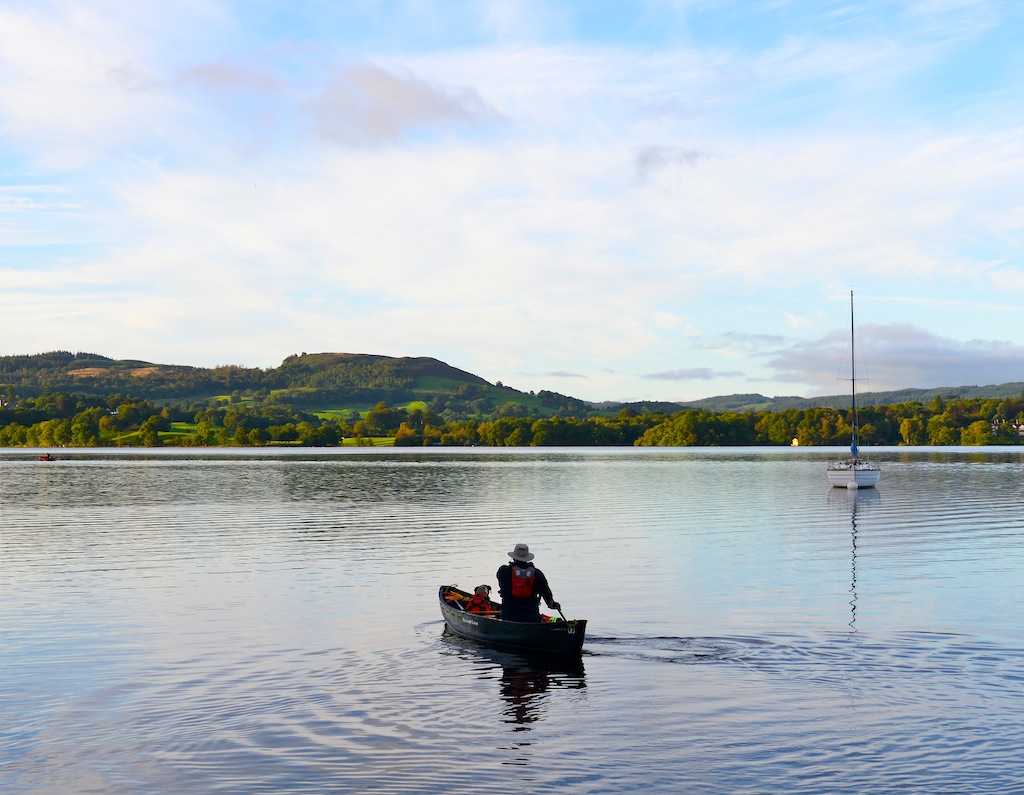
853,472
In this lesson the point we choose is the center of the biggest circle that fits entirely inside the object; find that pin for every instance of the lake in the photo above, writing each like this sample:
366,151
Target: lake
266,621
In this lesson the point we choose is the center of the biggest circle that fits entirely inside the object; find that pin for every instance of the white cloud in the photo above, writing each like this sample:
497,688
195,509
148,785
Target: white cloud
366,104
693,374
78,81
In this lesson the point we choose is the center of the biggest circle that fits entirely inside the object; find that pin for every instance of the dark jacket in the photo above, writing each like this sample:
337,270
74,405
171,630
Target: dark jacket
528,609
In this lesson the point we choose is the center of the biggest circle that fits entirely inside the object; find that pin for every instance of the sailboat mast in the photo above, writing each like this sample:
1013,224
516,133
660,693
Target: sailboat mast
853,380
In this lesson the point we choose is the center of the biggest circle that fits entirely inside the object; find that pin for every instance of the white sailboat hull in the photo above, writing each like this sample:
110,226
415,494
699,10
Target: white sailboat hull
842,474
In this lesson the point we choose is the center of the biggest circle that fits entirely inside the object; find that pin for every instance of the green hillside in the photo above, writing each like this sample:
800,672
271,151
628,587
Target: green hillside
318,382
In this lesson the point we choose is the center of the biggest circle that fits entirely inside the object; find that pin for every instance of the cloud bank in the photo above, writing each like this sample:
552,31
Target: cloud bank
669,205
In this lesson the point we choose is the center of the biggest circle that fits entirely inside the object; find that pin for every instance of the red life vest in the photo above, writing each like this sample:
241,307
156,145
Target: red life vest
478,604
522,581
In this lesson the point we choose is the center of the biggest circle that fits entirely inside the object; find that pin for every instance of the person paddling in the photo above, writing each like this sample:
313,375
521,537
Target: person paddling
522,585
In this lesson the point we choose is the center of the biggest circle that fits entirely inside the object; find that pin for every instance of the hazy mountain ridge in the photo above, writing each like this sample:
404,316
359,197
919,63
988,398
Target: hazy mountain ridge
756,402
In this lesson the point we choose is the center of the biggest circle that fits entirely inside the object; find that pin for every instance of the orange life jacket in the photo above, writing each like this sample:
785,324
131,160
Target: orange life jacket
522,581
478,604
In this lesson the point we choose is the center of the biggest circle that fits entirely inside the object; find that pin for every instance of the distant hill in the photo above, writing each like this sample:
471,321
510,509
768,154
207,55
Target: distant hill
315,382
338,381
93,373
640,407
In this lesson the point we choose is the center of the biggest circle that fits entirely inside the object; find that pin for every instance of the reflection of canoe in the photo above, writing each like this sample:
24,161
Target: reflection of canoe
489,657
560,638
524,675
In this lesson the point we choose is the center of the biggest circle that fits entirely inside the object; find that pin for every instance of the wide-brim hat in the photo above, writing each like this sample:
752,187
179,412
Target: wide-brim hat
521,553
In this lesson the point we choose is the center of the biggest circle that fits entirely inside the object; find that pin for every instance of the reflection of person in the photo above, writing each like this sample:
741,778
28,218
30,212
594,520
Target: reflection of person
522,585
520,688
480,602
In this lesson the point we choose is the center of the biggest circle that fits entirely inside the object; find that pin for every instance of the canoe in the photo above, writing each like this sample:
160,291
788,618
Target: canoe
558,638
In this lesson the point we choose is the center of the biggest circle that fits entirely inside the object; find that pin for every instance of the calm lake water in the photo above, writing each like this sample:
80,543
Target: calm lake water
244,622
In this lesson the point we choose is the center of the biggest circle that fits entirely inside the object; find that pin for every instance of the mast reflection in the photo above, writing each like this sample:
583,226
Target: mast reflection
853,564
854,501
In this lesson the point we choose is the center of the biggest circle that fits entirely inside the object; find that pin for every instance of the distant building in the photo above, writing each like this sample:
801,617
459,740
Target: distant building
1017,425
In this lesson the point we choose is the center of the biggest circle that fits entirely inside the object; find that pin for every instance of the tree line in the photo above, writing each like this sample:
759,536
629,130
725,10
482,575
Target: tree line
943,422
63,419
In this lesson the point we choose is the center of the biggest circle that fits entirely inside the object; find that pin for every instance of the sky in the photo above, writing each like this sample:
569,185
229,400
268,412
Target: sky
647,200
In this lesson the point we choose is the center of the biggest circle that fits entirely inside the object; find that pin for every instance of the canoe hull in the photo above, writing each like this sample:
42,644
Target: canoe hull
560,638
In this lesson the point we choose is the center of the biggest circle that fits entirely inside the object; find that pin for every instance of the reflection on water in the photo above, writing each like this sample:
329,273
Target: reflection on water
855,499
525,678
520,687
853,566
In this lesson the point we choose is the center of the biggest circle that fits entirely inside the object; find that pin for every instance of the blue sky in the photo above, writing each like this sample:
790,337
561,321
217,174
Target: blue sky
613,200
